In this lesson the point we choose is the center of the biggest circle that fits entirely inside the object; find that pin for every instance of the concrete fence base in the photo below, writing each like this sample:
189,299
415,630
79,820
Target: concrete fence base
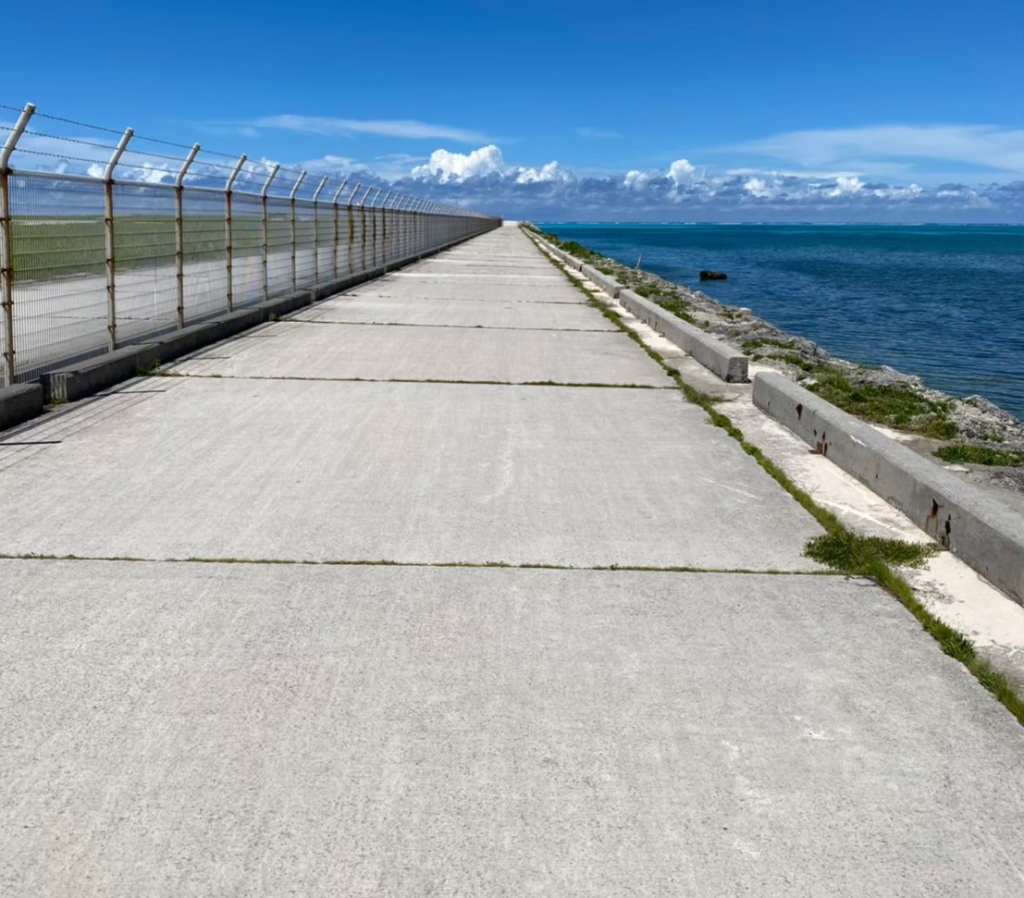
986,534
19,403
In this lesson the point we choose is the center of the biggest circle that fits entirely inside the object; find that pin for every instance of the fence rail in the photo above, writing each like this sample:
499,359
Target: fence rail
90,261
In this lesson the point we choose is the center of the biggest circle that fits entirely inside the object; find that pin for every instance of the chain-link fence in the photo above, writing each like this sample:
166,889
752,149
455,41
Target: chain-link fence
94,259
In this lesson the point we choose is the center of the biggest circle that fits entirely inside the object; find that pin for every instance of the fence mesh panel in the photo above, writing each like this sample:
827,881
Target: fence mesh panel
204,254
59,272
74,272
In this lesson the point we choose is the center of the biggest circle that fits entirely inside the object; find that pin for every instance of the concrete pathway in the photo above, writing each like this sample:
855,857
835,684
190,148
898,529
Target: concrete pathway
289,658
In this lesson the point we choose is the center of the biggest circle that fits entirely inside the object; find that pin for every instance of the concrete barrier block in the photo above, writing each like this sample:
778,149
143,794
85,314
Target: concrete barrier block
718,357
282,305
85,378
238,321
188,339
986,534
605,281
19,402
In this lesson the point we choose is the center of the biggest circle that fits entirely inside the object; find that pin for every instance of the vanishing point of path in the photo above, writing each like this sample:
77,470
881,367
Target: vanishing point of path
466,700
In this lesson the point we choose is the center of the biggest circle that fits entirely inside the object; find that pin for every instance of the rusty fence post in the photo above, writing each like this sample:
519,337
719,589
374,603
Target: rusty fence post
334,204
291,203
352,229
7,241
266,233
179,231
108,235
373,233
316,230
384,230
362,228
229,242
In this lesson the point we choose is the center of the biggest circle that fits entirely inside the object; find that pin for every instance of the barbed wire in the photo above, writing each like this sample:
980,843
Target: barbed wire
58,156
284,176
130,151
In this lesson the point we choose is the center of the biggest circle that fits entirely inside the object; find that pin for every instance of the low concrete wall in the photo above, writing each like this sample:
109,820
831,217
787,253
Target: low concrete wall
88,377
605,281
718,357
19,403
984,533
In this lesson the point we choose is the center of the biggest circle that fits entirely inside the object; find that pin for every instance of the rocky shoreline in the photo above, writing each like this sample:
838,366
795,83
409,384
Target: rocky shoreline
971,435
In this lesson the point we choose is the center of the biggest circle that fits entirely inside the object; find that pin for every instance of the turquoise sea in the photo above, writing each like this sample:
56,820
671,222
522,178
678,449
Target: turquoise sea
944,302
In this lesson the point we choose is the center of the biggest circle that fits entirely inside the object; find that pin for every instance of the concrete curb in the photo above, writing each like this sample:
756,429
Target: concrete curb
606,282
717,356
985,534
20,402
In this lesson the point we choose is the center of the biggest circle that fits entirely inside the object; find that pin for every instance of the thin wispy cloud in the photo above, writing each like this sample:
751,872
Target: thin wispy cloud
985,146
407,129
588,133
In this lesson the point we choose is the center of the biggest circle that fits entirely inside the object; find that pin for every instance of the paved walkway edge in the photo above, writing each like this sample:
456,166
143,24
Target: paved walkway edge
986,535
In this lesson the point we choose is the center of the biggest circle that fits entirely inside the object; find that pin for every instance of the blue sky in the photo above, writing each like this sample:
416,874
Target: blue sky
732,110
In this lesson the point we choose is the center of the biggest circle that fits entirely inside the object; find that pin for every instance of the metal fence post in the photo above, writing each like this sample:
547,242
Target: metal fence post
7,240
229,243
352,229
108,227
266,233
291,202
384,230
179,231
373,234
316,229
362,227
334,204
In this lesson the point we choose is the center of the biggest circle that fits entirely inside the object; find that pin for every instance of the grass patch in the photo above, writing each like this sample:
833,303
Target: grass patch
46,247
678,307
147,370
980,455
791,358
751,345
892,405
854,554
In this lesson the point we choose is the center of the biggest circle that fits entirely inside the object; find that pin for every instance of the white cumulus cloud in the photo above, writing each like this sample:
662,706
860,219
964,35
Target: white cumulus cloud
846,184
681,172
636,180
759,188
445,166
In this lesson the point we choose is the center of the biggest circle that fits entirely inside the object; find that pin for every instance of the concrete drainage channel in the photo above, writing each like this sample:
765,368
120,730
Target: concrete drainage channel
986,535
21,402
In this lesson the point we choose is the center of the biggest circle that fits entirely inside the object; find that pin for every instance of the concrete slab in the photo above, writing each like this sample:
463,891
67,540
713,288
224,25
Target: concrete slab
510,279
297,349
401,471
486,268
455,312
469,290
192,730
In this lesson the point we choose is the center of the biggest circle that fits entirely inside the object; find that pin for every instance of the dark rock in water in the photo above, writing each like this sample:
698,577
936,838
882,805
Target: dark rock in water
706,275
